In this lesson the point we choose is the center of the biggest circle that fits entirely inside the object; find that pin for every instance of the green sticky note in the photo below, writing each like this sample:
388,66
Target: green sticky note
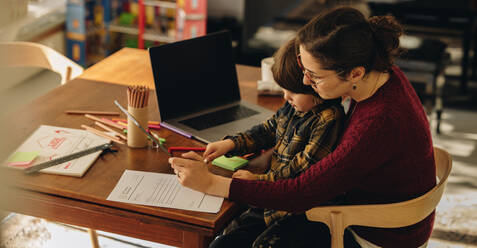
22,158
233,163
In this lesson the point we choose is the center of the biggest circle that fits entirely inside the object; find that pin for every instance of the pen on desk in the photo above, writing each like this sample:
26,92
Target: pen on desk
141,128
162,140
109,123
246,156
97,123
176,130
122,124
102,134
82,112
125,124
153,126
126,121
182,148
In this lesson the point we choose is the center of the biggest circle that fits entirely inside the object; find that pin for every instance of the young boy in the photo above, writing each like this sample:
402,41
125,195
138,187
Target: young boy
303,131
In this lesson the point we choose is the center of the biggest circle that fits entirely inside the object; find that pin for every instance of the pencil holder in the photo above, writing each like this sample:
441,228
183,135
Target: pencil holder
136,137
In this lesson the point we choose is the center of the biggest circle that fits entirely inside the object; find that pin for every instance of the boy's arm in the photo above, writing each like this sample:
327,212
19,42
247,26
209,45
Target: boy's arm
321,142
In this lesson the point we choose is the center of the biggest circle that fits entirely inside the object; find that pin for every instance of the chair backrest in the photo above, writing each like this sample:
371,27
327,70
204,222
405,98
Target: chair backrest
393,215
29,54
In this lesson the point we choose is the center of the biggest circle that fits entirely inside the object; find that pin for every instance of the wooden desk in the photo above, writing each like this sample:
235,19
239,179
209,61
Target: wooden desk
82,201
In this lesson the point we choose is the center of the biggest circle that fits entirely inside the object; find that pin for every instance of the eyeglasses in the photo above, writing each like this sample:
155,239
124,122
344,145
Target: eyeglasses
311,75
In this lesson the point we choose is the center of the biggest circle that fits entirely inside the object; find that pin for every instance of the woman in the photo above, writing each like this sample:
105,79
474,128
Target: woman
385,154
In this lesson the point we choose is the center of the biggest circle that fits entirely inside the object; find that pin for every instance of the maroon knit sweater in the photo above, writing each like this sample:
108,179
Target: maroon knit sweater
385,155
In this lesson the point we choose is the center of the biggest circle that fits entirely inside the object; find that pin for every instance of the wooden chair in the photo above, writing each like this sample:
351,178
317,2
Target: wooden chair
29,54
26,70
394,215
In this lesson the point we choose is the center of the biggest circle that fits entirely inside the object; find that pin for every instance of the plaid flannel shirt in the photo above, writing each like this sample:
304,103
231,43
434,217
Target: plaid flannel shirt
298,139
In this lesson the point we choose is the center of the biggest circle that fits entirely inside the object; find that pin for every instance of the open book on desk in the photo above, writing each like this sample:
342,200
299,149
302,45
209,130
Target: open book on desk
161,190
49,143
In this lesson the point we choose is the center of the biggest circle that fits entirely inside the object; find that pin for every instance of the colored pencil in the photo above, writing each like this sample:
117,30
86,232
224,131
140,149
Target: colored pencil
82,112
102,134
109,123
138,96
110,130
126,121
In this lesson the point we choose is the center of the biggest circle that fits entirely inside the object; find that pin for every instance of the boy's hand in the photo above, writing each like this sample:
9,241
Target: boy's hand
217,149
245,174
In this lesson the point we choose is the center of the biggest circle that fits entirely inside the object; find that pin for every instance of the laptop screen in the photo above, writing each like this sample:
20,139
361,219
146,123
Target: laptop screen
194,75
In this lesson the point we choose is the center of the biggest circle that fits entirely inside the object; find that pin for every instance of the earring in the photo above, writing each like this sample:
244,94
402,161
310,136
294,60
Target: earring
354,87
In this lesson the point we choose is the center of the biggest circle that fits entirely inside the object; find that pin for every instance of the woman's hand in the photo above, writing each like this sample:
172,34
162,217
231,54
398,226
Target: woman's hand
245,174
217,149
194,174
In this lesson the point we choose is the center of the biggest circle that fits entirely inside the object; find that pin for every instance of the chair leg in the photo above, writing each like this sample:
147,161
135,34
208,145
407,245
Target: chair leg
337,230
438,101
68,73
438,124
94,238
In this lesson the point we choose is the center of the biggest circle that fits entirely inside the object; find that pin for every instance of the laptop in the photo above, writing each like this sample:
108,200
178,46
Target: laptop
197,88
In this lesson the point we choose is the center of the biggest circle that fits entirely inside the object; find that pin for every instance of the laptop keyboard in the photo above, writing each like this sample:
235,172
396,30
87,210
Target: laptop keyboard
216,118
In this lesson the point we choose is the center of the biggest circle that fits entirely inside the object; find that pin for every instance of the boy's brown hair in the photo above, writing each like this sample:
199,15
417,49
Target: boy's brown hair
287,72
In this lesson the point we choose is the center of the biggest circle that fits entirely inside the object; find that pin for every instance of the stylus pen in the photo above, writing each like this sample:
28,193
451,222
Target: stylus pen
163,124
141,128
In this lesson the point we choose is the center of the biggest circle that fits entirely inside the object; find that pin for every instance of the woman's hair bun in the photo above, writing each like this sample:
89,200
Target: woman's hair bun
343,39
387,31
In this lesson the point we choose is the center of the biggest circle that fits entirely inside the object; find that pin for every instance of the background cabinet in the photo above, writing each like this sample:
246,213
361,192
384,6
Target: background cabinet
97,28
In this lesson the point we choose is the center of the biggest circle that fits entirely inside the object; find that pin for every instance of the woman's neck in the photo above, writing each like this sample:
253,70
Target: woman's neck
369,85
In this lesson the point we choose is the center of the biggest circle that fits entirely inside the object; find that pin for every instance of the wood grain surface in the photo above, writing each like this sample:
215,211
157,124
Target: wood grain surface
82,201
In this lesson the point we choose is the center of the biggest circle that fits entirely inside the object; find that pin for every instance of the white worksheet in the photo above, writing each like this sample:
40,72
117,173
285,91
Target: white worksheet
53,142
161,190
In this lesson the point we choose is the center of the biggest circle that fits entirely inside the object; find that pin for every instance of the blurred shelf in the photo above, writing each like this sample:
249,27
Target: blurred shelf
148,34
161,4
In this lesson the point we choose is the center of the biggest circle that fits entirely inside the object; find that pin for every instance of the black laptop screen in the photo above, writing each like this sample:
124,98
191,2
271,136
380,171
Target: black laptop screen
194,75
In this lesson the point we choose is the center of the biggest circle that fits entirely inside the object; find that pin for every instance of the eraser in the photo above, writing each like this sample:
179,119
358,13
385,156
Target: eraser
233,163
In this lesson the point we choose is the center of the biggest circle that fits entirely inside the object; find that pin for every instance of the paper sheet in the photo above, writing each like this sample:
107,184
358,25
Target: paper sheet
161,190
54,142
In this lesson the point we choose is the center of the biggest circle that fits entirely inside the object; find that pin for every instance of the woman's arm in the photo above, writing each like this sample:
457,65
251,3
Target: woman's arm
194,174
364,147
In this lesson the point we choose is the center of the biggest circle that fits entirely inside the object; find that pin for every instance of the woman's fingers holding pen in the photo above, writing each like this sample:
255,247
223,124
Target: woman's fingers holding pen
192,173
192,155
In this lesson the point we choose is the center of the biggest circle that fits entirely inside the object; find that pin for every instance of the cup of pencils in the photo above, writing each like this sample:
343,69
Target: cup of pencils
138,97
